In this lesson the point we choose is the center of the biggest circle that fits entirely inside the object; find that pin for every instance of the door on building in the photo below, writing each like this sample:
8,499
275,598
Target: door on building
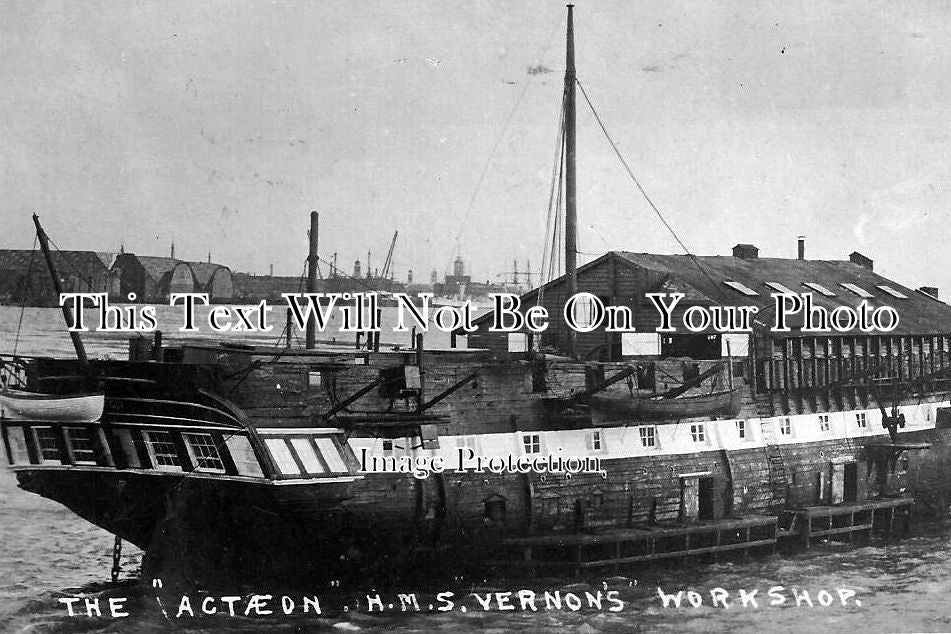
705,503
689,498
845,482
851,485
838,484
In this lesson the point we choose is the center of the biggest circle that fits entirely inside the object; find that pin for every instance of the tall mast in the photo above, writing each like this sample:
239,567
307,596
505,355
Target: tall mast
310,338
58,288
571,199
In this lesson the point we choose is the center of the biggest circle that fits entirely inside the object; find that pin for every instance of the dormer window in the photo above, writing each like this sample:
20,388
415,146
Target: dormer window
891,291
861,292
819,288
780,288
742,288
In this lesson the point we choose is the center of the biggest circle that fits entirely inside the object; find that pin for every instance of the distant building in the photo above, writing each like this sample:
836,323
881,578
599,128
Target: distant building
622,279
270,287
457,284
153,279
25,278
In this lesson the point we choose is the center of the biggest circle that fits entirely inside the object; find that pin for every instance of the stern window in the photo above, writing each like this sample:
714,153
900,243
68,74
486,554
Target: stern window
81,445
308,457
47,443
331,455
282,456
204,452
243,456
163,450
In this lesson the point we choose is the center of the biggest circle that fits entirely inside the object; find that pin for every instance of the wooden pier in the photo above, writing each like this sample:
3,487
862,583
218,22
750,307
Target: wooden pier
615,548
846,521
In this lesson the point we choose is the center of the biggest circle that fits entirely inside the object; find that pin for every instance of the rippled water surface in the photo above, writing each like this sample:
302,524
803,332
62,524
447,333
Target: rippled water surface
47,553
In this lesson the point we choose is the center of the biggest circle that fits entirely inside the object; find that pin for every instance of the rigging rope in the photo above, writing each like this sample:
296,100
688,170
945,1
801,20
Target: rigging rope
554,203
498,141
29,280
84,276
643,192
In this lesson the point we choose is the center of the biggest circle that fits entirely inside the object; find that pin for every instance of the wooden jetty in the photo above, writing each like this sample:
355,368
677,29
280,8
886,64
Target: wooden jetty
614,548
846,521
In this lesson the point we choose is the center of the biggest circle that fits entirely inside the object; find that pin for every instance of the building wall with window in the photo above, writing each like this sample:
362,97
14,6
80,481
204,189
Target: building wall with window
791,361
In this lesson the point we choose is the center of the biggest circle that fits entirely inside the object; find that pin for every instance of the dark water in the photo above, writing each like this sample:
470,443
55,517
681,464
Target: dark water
47,554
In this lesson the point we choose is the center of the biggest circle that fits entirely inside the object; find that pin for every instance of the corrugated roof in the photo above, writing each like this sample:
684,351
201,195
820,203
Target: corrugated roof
707,275
156,267
205,270
18,260
703,281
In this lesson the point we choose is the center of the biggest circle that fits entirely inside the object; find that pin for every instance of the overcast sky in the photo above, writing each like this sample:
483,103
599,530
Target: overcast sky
220,125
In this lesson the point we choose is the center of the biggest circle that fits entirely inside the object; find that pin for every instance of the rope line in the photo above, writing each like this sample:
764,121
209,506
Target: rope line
498,141
643,192
29,284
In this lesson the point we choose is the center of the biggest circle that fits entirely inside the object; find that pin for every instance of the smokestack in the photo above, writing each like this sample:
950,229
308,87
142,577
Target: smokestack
409,277
802,247
271,270
310,337
173,251
209,257
356,268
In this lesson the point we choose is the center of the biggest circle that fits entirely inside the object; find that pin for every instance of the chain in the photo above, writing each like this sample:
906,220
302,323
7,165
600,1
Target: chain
116,556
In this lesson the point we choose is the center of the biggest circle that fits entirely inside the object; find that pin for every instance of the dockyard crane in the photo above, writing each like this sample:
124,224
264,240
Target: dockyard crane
389,257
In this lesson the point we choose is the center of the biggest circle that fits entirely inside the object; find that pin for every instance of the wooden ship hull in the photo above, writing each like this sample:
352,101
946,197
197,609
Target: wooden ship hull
264,483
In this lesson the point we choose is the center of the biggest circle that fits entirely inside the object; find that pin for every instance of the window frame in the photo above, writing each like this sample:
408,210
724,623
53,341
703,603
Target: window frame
594,440
72,449
698,432
197,461
819,288
648,433
785,426
530,442
39,446
154,457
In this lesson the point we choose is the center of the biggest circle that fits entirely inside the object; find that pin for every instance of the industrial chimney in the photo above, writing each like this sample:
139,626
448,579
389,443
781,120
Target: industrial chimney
356,268
802,247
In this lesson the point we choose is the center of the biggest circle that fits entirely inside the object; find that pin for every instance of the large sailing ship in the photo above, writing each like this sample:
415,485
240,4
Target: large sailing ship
228,462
